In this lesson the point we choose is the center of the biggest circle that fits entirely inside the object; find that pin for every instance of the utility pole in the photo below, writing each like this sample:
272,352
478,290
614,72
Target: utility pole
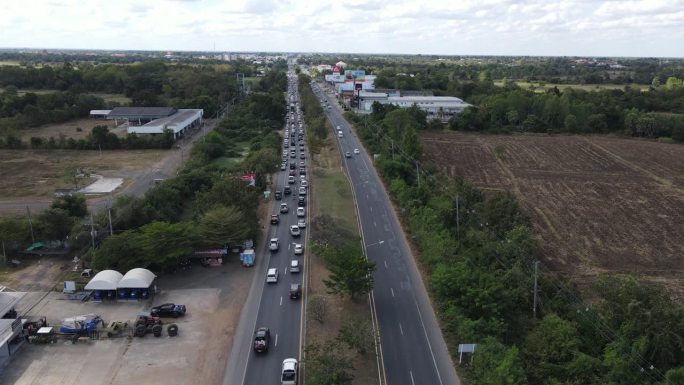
458,222
4,256
92,231
28,213
109,213
534,306
418,173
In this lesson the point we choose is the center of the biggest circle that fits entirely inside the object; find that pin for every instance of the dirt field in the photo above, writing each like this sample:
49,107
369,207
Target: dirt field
598,203
37,173
69,129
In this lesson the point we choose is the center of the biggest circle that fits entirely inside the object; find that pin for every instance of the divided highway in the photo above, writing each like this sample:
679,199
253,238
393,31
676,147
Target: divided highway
412,346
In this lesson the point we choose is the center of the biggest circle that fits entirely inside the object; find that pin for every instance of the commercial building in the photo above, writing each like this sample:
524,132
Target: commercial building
440,107
11,325
154,120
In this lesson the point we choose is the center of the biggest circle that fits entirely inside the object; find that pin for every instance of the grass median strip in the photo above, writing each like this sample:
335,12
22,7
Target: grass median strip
332,317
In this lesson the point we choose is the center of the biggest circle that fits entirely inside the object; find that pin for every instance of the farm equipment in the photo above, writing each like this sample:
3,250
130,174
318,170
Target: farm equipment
115,328
81,324
147,324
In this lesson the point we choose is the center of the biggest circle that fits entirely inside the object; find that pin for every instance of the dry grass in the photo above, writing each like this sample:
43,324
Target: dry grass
37,173
598,203
69,129
333,197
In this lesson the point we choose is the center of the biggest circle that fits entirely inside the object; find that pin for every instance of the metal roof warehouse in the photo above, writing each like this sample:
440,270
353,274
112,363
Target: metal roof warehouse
154,120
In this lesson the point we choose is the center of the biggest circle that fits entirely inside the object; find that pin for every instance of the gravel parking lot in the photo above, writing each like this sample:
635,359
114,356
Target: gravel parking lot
214,298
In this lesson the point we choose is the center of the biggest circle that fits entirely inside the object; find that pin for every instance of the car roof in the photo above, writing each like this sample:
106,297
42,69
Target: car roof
272,270
274,239
289,364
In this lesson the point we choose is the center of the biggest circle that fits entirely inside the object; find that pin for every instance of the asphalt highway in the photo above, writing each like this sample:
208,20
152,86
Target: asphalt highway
412,346
269,305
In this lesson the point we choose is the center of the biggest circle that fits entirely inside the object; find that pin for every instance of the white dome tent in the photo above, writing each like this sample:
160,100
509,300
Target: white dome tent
135,284
104,284
104,280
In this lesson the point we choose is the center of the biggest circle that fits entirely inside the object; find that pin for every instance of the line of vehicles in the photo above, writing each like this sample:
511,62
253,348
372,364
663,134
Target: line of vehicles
291,184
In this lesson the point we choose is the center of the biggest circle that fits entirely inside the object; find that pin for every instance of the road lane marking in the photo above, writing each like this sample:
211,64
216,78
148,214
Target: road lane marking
427,339
392,290
411,373
371,209
375,224
385,264
276,341
401,330
281,300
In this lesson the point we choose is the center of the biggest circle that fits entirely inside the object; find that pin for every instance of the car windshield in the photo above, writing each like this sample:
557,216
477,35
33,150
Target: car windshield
288,376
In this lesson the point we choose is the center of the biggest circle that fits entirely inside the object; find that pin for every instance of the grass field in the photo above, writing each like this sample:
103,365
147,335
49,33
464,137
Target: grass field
118,98
597,203
542,87
69,129
333,197
36,174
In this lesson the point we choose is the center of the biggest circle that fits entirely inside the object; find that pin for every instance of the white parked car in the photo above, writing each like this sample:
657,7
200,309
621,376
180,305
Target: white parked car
302,190
303,182
301,212
272,275
301,223
356,151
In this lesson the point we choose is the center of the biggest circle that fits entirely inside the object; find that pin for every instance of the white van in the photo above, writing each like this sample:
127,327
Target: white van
272,275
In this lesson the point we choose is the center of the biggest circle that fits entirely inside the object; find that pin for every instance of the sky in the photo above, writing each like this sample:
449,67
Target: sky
653,28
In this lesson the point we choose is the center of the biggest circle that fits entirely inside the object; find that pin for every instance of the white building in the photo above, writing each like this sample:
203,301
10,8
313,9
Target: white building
441,107
179,123
11,325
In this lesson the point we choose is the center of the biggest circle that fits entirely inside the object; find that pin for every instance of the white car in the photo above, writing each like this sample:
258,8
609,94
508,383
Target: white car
302,190
356,151
274,245
303,182
288,375
298,249
301,223
294,266
301,212
294,231
272,275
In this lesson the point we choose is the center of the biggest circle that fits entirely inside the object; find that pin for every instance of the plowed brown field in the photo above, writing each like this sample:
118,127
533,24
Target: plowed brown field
598,203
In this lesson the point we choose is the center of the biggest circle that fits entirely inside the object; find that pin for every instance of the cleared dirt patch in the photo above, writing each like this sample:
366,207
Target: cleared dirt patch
37,173
598,203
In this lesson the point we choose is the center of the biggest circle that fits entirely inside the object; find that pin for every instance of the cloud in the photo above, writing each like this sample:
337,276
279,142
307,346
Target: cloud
526,27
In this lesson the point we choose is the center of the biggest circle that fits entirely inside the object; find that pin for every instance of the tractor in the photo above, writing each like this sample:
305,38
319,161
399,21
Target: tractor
147,324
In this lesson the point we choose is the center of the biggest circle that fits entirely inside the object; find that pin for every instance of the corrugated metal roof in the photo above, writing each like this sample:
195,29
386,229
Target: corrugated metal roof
141,112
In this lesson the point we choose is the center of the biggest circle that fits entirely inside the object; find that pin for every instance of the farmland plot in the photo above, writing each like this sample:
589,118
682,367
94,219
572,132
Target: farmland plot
597,203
